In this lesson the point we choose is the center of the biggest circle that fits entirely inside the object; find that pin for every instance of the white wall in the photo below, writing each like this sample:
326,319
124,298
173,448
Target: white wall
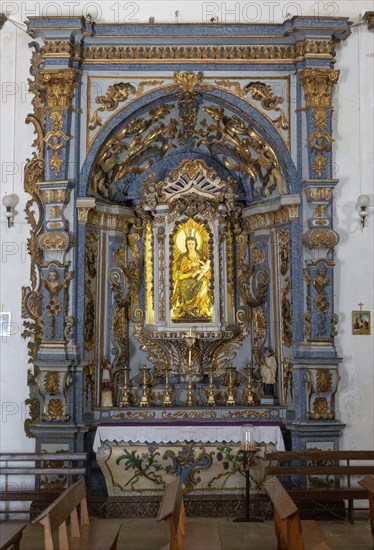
354,164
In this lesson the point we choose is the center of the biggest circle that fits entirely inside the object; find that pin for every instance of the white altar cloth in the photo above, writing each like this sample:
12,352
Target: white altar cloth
168,433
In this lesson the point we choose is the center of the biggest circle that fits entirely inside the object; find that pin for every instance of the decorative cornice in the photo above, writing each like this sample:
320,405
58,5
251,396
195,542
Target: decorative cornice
202,54
369,17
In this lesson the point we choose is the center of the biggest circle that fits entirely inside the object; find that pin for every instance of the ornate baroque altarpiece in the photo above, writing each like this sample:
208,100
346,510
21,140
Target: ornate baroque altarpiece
181,229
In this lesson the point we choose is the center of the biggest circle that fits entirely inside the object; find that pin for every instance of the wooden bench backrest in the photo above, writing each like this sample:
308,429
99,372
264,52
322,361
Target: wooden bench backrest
172,511
35,469
56,515
321,463
320,455
368,483
286,516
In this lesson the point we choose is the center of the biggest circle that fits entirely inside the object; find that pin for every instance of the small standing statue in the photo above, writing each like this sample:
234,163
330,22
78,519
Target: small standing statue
106,398
269,369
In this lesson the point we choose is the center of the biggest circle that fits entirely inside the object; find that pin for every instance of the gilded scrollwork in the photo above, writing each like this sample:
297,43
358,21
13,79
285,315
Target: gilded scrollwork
115,94
286,309
263,92
232,138
307,324
334,325
320,238
92,251
284,251
191,415
248,413
90,317
54,138
128,151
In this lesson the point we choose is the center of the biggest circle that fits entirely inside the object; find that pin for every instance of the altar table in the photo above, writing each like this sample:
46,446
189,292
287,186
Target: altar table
144,457
173,432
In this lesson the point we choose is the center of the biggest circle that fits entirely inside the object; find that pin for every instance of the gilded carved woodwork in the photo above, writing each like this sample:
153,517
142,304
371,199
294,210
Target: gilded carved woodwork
263,93
320,238
202,54
241,144
318,84
59,87
284,251
161,257
190,415
115,94
89,316
286,311
92,253
321,381
121,286
54,138
128,151
33,173
249,413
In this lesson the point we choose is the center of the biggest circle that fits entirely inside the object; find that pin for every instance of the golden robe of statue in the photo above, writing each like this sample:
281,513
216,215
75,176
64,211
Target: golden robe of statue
191,299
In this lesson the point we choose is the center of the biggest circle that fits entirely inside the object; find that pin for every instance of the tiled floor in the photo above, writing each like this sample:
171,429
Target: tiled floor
146,534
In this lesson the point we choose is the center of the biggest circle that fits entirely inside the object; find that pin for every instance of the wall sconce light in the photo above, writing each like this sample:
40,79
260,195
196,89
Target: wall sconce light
10,202
362,206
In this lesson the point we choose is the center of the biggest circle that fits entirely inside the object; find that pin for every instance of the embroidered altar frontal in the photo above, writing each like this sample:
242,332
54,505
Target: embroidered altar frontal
181,245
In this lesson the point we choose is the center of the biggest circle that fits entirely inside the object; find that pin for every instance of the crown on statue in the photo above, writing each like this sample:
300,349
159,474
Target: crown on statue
190,233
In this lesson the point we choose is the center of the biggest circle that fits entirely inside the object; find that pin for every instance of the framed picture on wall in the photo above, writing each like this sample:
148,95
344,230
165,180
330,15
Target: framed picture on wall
361,322
4,323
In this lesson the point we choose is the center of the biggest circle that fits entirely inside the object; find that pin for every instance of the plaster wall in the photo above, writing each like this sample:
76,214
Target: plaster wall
353,150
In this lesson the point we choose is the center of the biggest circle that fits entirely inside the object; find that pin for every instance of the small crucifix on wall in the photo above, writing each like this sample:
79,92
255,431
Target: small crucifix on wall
360,321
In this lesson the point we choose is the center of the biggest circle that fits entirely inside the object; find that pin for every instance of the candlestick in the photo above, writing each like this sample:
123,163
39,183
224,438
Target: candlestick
211,396
230,401
125,396
250,400
167,393
144,398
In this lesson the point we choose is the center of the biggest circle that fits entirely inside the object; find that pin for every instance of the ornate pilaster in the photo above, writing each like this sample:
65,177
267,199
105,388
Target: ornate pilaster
58,86
315,366
318,84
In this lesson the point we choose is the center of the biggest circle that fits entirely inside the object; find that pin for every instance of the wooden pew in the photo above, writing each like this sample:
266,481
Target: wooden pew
185,535
368,483
101,534
291,532
10,535
68,466
336,466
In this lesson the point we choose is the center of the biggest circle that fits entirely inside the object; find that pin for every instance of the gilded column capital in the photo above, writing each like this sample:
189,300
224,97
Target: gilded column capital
59,86
84,205
318,83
